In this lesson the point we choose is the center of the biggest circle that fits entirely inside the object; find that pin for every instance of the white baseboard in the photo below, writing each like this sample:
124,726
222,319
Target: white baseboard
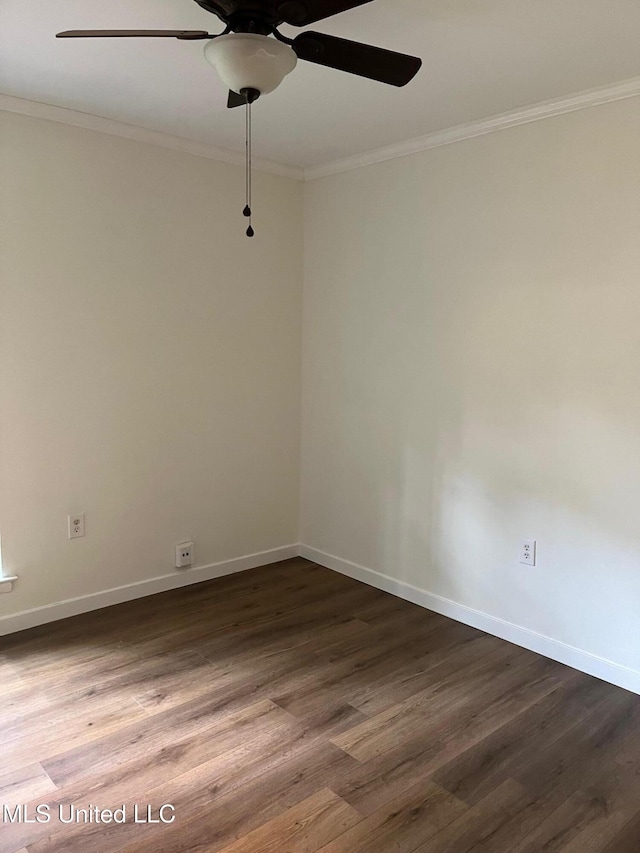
599,667
95,601
586,662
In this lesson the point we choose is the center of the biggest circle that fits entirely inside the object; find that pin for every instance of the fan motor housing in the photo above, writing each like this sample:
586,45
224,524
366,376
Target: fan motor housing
245,17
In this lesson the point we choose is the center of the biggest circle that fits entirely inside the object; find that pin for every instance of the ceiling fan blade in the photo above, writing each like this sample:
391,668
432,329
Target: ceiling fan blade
305,12
386,66
187,35
235,100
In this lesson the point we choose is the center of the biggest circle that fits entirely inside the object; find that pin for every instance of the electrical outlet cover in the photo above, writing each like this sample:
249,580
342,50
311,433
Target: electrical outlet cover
528,552
184,555
76,525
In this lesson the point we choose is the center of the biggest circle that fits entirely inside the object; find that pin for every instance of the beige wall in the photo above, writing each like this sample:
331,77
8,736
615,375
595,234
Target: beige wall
471,371
471,358
150,360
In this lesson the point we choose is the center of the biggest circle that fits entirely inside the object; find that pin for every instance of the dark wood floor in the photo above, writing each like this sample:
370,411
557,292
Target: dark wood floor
292,710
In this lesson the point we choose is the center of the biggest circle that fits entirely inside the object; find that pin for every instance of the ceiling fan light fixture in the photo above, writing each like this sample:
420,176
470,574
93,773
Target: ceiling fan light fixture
249,61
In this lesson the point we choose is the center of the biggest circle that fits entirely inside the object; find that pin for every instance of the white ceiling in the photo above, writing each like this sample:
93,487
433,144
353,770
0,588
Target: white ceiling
481,58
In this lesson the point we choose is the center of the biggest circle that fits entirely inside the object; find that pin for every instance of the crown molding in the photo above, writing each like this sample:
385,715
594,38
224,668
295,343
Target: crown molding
537,112
62,115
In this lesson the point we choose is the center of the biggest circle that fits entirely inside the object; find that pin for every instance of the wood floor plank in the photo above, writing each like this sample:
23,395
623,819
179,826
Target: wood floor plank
627,840
24,784
445,656
86,724
478,827
354,677
594,798
9,673
264,612
304,628
359,646
418,756
474,773
588,820
216,803
580,824
402,825
329,719
200,730
254,740
586,748
169,678
491,684
75,708
306,826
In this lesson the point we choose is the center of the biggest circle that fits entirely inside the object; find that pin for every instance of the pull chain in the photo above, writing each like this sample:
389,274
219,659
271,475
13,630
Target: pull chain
248,165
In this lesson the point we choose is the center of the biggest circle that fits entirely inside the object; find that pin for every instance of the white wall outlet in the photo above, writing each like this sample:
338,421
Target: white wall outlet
528,552
184,555
76,525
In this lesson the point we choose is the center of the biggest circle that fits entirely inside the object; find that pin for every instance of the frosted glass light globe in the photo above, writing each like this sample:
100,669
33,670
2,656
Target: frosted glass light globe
248,61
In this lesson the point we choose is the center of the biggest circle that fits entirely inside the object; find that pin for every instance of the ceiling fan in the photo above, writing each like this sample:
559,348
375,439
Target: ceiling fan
252,63
252,57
